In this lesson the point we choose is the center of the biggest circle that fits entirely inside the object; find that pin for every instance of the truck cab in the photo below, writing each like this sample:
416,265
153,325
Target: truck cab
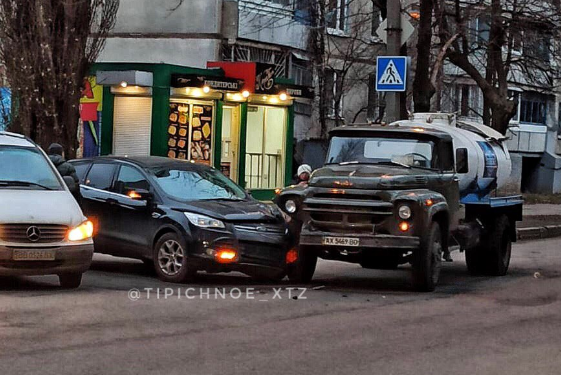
387,195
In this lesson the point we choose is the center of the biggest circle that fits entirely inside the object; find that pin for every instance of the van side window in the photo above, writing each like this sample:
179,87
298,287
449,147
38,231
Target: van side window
130,178
101,176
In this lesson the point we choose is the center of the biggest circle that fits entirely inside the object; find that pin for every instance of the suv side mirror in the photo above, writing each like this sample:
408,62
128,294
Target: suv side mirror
139,194
462,160
71,184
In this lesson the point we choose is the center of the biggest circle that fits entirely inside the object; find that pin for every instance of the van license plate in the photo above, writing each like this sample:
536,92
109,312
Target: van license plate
34,255
341,241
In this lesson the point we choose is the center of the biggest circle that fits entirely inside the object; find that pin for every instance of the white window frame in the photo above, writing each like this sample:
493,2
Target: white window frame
332,106
341,25
516,91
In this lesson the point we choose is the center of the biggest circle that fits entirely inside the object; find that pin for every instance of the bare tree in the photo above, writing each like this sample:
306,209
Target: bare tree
497,43
423,88
47,47
349,52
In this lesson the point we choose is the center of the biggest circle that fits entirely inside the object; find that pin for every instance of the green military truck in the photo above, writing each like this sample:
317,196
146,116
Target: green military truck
409,192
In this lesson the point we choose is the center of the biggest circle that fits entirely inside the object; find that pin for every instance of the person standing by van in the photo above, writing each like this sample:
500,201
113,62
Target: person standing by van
56,154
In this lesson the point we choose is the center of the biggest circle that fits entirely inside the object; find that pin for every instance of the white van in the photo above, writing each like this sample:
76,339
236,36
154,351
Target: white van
42,229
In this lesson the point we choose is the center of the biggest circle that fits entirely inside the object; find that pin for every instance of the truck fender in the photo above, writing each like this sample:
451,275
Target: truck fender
439,213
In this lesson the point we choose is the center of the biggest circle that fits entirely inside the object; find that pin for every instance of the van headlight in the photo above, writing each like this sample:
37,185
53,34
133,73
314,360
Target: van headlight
290,206
203,221
81,232
404,212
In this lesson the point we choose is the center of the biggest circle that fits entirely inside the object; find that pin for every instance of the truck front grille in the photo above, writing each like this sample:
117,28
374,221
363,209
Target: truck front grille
32,233
344,213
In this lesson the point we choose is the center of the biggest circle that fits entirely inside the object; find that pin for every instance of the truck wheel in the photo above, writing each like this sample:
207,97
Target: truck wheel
475,260
499,247
427,260
302,271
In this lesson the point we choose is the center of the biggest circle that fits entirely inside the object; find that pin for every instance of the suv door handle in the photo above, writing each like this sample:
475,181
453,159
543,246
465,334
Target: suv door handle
112,201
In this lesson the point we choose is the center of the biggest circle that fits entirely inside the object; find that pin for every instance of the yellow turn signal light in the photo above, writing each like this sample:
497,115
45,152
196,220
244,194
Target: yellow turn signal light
404,226
226,256
81,232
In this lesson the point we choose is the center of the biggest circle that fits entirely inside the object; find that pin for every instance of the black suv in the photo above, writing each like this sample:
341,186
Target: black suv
182,217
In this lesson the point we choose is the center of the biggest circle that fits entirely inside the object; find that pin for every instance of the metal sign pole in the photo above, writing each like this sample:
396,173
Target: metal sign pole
393,99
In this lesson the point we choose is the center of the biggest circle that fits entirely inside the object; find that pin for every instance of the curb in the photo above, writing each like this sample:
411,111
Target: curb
535,233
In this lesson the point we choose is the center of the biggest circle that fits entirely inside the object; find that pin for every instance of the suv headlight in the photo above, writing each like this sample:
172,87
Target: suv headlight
203,221
404,212
81,232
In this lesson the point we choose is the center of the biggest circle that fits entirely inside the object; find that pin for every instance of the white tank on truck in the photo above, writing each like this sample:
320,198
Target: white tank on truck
488,158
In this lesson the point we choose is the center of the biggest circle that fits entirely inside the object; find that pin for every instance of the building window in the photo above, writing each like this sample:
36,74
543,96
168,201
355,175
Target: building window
302,11
336,15
301,72
533,109
537,45
334,90
478,31
466,100
249,53
515,95
377,19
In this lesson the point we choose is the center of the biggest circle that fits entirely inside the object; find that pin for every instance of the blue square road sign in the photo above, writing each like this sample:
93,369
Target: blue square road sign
391,73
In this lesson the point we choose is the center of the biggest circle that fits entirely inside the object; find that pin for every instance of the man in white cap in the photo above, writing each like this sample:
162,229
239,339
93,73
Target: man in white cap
304,172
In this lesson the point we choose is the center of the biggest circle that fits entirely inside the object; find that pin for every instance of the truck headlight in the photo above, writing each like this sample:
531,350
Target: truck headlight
203,221
404,212
290,206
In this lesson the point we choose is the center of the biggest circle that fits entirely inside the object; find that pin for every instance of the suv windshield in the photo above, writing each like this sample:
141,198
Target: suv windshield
196,184
373,150
26,168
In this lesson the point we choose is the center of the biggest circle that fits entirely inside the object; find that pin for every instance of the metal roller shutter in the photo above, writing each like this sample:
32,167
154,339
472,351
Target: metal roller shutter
132,126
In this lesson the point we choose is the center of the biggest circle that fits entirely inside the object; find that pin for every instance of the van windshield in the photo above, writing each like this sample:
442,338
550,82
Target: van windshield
26,168
374,150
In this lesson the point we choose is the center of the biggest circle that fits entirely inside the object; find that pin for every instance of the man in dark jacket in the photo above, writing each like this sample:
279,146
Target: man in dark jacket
56,154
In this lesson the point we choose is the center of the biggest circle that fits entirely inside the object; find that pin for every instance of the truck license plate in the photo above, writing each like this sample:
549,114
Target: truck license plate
34,255
341,241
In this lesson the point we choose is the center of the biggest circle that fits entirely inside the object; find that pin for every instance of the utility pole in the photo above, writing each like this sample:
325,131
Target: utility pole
393,99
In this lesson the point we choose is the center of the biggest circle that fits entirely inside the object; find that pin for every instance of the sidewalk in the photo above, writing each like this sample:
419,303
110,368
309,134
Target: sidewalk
540,221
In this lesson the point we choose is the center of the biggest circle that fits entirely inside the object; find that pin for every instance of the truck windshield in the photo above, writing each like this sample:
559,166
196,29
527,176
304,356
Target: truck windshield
375,150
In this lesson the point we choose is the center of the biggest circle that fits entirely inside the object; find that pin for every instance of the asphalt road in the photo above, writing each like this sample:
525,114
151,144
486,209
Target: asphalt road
354,321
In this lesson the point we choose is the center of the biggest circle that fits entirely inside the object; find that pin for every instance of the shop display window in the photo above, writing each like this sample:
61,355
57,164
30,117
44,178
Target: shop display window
190,131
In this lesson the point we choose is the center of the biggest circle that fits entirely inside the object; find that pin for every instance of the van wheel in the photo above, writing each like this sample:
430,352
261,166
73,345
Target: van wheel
302,271
70,280
171,260
427,260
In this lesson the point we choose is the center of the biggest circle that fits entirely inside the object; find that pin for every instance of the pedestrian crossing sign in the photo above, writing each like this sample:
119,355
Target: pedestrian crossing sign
391,73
